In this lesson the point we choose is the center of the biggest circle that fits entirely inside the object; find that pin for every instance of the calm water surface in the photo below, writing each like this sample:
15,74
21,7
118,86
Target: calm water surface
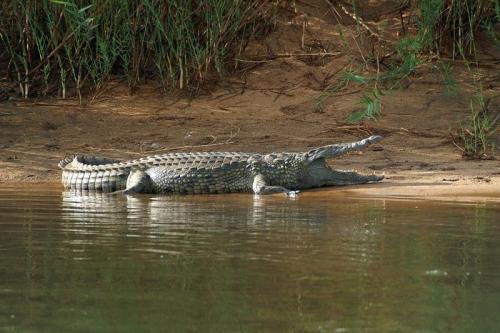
236,263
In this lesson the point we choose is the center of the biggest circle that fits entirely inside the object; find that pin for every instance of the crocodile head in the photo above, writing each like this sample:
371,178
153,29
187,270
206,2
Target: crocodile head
317,173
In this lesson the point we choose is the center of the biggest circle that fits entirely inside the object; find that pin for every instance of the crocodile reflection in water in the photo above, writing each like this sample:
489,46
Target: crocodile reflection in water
161,219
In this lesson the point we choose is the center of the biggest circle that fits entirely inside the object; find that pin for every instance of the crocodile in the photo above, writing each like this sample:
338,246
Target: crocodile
214,172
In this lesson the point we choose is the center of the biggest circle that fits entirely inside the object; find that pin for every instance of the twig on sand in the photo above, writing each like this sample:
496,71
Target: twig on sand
289,55
361,22
455,144
357,19
211,144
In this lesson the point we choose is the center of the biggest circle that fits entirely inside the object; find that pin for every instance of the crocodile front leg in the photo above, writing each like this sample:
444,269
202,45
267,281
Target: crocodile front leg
260,187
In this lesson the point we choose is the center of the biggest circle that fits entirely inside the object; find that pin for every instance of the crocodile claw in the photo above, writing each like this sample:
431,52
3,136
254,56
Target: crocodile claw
292,194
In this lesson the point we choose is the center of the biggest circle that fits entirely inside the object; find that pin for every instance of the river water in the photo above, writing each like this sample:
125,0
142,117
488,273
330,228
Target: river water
323,262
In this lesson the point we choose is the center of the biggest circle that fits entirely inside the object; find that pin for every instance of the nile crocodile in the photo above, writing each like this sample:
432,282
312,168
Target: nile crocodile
214,172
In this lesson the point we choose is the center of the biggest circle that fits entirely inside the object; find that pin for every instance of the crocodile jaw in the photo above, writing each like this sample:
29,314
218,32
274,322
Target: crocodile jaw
318,174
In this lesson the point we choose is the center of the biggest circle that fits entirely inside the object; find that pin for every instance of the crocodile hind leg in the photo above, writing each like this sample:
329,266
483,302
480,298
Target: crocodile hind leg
260,187
138,182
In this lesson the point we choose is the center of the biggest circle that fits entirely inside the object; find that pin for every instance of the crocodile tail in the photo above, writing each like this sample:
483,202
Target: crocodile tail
85,172
80,161
67,160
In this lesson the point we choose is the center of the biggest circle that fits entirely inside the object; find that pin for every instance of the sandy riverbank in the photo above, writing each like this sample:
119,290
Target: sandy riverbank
269,106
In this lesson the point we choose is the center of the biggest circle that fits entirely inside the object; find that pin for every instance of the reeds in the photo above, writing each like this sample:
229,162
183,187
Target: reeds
454,25
74,46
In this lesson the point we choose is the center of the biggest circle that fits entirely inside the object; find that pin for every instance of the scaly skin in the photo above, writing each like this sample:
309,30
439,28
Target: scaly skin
214,172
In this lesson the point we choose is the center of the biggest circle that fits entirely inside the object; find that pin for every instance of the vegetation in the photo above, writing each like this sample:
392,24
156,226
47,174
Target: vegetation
475,135
72,46
450,85
454,25
441,28
372,107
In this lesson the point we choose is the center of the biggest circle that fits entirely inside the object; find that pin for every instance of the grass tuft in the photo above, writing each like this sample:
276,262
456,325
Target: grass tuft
450,84
372,107
475,136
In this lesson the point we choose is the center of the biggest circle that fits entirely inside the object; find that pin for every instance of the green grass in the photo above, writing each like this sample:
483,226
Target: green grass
372,107
74,46
475,135
348,77
408,50
450,84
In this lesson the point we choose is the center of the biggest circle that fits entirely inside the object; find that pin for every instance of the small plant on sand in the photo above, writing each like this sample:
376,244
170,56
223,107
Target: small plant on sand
451,87
408,50
372,107
475,137
319,102
348,76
